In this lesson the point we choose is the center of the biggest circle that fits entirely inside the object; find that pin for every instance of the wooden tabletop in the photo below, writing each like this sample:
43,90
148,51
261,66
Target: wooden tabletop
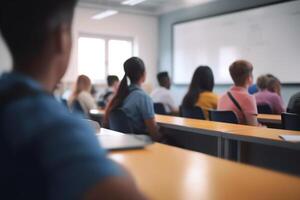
163,172
231,131
265,118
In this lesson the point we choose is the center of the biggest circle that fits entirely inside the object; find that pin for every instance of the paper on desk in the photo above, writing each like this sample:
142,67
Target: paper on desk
290,138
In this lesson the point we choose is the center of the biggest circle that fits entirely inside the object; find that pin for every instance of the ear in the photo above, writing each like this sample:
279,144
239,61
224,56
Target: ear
63,39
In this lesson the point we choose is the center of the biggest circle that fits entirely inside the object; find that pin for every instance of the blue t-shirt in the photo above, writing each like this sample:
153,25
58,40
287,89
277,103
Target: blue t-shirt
45,152
138,106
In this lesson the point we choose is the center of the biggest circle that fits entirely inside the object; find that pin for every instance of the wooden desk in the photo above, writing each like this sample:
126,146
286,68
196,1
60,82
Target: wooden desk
252,145
165,172
264,118
272,121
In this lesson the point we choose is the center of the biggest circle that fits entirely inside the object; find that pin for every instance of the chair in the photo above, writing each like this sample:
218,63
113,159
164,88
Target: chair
290,121
223,116
159,108
193,112
76,107
118,121
264,109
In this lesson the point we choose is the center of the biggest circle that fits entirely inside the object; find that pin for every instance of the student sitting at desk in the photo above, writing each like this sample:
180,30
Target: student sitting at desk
113,84
294,104
82,94
269,88
200,91
237,99
163,95
46,153
137,105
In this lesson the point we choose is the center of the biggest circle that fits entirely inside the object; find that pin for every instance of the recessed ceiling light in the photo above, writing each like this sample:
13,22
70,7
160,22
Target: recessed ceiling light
132,2
105,14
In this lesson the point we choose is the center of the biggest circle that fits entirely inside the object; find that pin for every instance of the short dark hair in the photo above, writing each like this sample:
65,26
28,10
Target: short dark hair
25,25
111,79
240,70
162,77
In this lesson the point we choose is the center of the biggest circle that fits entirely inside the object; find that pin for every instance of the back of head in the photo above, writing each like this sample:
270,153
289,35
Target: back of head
26,25
134,69
273,85
203,80
83,83
240,71
262,82
163,79
111,80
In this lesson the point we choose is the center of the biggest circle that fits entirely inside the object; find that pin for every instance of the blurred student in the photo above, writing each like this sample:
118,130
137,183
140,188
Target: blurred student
274,85
237,99
200,92
82,95
113,84
163,95
137,105
47,153
268,94
294,104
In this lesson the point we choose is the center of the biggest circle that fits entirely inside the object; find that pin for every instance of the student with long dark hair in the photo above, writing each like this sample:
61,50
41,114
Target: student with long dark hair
137,105
200,92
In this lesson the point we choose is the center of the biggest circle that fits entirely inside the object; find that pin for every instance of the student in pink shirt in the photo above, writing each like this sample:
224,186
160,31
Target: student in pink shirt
246,110
269,94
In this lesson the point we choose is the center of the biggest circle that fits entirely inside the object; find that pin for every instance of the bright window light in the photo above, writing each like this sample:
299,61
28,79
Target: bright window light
118,52
132,2
91,58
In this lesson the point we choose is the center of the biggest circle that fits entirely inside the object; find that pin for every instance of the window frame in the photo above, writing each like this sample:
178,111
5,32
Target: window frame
106,39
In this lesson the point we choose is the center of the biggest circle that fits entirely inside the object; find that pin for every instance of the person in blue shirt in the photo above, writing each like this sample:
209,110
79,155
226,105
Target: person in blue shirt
45,152
137,105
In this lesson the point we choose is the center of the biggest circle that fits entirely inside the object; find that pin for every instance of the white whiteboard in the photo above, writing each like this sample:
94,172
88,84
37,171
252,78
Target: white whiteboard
269,37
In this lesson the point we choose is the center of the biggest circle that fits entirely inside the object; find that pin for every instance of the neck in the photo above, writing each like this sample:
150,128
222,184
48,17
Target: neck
39,73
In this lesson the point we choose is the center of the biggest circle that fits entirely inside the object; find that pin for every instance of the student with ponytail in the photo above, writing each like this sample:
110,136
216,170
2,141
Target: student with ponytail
137,105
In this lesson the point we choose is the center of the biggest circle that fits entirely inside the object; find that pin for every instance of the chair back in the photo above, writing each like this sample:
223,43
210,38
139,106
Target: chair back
159,108
264,109
76,107
118,121
194,112
226,116
290,121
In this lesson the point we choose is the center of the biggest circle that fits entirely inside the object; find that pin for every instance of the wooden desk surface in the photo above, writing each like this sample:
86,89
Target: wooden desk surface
197,124
264,118
165,172
233,131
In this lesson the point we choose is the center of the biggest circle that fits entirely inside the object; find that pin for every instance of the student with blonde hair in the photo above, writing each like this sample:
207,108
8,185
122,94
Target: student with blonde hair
82,94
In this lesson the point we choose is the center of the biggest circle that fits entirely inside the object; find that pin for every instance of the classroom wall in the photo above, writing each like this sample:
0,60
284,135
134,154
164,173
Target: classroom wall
214,8
143,30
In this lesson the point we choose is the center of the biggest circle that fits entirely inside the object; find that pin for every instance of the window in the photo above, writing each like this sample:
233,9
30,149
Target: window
102,56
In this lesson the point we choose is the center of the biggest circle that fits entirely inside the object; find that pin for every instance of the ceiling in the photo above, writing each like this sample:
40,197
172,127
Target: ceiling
148,7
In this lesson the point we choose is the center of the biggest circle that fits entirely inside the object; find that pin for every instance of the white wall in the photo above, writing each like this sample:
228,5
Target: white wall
143,30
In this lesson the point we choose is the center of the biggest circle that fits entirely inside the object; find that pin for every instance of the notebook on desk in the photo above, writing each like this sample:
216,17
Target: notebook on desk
120,141
290,138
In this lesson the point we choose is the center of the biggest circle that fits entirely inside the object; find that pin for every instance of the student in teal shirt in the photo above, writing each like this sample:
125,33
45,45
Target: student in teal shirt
45,152
137,105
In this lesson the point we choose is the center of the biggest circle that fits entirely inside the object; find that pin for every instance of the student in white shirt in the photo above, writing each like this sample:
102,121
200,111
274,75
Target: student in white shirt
82,94
113,85
163,95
